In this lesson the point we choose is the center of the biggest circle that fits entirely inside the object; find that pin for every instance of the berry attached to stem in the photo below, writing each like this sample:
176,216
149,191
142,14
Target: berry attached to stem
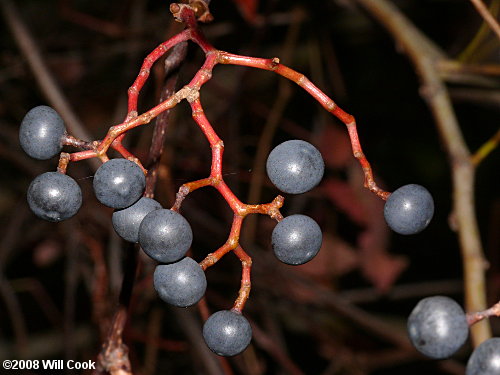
41,133
181,284
295,166
296,239
54,196
438,327
227,332
119,183
409,209
165,235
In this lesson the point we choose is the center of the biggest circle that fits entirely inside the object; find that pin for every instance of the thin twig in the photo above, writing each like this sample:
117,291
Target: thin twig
93,23
267,343
486,149
488,98
190,327
323,296
473,318
114,356
15,313
484,12
454,67
172,63
45,79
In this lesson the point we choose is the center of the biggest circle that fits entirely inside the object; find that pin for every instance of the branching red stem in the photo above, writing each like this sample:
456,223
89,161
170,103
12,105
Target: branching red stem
191,92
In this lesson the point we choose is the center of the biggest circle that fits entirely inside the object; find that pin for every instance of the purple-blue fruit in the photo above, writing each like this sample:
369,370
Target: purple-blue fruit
409,209
296,239
54,196
165,235
181,284
438,327
41,133
227,332
119,183
485,359
126,221
295,166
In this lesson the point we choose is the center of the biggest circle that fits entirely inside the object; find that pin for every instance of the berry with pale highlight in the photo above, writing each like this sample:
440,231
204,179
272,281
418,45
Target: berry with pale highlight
485,359
295,166
438,327
165,235
296,239
119,183
41,132
181,284
53,196
409,209
227,333
126,221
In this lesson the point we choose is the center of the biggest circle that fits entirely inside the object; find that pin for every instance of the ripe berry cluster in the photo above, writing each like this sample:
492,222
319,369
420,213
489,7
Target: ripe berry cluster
437,326
164,234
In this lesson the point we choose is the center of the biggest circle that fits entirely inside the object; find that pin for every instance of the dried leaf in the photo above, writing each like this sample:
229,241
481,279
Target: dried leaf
345,198
248,9
335,147
336,258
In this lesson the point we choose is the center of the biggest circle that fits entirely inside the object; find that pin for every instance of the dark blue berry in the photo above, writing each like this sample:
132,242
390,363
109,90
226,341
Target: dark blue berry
165,235
409,209
296,239
53,196
41,132
485,359
295,166
127,220
181,284
438,327
227,332
119,183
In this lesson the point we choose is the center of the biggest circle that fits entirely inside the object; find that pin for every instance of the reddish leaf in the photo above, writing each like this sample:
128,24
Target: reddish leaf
336,258
377,265
345,198
383,269
365,209
335,147
248,9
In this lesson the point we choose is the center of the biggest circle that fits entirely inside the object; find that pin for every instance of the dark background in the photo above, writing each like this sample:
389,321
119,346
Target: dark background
53,272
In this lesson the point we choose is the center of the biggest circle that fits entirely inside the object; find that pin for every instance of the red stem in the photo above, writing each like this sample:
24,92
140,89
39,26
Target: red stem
191,93
301,80
134,90
246,284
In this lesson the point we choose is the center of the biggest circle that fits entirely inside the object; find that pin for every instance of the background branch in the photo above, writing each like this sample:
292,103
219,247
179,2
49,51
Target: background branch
488,18
425,59
43,76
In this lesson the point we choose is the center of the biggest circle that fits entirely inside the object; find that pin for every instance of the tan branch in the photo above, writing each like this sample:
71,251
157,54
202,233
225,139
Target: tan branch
425,59
487,16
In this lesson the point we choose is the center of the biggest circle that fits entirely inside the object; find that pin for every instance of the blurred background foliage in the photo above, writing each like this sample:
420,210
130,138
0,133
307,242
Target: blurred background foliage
60,282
